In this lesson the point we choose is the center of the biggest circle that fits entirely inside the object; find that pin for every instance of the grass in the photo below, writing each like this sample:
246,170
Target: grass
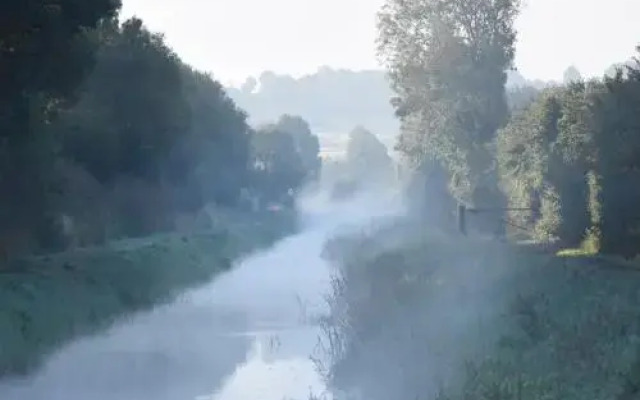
419,316
48,301
579,252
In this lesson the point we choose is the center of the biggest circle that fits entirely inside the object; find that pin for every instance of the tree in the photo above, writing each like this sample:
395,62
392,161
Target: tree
249,85
46,50
136,94
617,140
45,47
306,143
571,75
525,147
214,153
447,61
324,98
519,98
278,168
367,159
575,153
153,130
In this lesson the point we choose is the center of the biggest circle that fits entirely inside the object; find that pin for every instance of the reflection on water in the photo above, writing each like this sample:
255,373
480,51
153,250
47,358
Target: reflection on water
279,366
199,343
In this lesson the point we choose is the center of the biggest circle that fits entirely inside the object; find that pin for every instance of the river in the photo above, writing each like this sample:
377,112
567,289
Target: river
248,335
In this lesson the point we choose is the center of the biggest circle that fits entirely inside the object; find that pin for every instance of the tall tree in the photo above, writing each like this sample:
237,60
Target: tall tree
278,167
367,157
152,129
138,129
214,153
618,160
447,60
45,47
46,50
307,144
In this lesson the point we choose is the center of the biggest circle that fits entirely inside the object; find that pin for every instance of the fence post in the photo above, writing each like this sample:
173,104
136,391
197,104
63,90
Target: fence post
462,223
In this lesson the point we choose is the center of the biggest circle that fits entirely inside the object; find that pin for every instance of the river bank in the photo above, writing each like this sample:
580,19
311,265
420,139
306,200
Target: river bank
417,315
251,332
48,301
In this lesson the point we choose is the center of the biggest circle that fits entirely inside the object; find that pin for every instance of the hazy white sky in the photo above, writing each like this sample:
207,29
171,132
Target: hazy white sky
234,39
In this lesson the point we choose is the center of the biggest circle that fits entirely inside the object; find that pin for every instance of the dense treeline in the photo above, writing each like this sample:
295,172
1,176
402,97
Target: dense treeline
567,153
285,155
325,99
105,133
573,157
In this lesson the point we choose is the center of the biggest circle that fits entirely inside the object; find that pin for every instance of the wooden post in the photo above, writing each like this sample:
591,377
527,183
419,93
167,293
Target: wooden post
462,223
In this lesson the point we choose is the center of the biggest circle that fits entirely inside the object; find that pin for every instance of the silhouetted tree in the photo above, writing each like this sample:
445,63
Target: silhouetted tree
46,50
306,143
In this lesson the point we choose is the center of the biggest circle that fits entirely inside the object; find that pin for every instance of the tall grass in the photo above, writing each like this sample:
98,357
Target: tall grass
47,301
417,316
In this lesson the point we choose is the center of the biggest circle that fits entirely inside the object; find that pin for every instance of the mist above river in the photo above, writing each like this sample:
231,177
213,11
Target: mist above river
250,332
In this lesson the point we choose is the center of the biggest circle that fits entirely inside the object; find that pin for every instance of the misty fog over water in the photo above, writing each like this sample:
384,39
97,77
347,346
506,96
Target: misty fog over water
249,334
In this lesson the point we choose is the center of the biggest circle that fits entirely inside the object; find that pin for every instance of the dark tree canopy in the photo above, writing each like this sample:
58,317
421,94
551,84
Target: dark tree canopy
306,143
573,156
279,168
46,50
45,46
111,135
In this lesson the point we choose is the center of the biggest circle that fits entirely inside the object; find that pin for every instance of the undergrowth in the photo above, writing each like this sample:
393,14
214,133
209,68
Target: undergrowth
420,316
47,301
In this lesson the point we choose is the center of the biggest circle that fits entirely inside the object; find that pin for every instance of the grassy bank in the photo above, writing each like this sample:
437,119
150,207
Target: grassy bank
47,301
419,316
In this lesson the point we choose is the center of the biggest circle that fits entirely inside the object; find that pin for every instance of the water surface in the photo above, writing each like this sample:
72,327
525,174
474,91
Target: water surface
249,334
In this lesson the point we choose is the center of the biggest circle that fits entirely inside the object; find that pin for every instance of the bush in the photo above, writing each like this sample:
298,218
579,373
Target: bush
428,317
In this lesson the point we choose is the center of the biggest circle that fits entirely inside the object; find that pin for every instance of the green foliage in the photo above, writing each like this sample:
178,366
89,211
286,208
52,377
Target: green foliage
520,98
284,156
430,198
523,149
113,134
447,62
416,314
548,225
46,50
279,168
213,155
307,145
48,301
161,138
578,142
124,140
618,128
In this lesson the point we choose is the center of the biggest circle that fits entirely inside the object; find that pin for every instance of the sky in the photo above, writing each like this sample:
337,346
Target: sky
234,39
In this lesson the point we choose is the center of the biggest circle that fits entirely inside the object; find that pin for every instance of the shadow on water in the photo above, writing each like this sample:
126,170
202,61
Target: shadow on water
247,335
